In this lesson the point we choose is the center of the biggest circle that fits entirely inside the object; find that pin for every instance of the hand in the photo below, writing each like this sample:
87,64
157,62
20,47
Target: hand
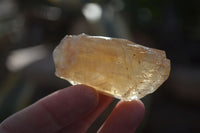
73,110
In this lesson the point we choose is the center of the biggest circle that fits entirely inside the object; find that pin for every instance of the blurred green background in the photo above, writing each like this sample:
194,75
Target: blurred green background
30,30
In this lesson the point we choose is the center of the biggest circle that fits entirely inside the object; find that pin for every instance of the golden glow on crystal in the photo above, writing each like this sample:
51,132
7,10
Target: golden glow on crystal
116,67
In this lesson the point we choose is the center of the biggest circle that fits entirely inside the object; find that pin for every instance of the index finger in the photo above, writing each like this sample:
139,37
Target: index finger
53,112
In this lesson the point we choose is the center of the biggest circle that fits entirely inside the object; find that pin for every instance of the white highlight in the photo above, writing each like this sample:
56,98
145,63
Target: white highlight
92,12
18,59
101,37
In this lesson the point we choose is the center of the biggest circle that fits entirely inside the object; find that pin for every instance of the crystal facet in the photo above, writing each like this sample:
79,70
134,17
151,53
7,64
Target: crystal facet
116,67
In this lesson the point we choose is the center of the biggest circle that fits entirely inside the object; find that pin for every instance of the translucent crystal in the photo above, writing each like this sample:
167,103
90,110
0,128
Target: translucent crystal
116,67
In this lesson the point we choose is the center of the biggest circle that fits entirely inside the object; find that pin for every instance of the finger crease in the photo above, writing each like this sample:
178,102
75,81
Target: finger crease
52,115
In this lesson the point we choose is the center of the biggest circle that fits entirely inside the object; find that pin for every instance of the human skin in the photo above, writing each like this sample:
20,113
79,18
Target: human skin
73,110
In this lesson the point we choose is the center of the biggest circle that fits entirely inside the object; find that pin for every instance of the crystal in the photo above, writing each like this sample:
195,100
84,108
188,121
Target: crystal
115,67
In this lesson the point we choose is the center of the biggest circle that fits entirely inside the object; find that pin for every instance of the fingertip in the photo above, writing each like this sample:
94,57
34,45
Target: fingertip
135,105
71,102
75,93
86,91
126,117
85,123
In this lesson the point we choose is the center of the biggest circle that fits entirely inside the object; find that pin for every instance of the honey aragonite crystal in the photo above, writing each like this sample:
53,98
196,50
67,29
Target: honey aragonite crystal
116,67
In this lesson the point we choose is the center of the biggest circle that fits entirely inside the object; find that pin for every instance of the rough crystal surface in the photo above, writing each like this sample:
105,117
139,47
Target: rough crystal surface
116,67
